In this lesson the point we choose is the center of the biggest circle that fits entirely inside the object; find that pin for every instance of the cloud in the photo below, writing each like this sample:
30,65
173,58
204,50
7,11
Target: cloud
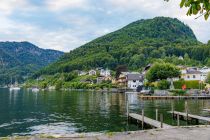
67,24
60,39
7,7
151,8
57,5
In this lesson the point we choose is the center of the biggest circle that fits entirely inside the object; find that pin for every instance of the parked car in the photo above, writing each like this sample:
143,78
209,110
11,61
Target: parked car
146,92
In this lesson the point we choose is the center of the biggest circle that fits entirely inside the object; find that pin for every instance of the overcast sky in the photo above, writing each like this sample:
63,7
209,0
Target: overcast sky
67,24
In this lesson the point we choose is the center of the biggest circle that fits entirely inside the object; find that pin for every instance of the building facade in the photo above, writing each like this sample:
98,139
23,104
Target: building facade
134,80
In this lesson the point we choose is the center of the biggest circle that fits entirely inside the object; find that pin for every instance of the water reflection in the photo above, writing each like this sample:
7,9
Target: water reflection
28,113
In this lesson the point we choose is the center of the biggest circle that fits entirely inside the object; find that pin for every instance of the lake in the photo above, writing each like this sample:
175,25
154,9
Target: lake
66,112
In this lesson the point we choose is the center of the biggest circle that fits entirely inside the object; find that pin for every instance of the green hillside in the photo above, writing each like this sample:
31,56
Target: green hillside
20,59
136,45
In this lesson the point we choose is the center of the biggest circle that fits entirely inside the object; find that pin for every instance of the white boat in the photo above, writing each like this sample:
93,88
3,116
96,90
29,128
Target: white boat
35,90
14,87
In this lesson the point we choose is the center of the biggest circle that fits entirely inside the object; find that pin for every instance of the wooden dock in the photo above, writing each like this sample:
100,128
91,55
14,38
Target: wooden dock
208,110
172,97
149,121
191,116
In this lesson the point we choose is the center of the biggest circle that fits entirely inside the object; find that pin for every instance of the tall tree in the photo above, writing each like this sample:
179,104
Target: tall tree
162,71
196,7
119,69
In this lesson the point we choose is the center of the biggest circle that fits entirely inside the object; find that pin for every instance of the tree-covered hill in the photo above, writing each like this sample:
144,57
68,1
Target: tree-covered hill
21,59
136,45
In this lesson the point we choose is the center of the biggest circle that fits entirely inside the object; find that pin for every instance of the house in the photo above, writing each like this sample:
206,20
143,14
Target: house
194,73
100,79
81,73
105,72
122,80
92,72
205,71
134,80
191,74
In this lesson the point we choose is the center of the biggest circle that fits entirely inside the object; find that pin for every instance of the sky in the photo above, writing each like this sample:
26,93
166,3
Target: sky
67,24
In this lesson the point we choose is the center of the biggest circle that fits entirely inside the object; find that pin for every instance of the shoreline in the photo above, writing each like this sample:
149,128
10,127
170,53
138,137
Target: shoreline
175,133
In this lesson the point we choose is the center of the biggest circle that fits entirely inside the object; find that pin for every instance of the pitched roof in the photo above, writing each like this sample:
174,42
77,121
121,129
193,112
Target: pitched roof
134,77
191,71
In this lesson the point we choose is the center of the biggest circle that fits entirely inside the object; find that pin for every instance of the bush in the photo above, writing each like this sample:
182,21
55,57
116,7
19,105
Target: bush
58,85
163,84
178,92
43,85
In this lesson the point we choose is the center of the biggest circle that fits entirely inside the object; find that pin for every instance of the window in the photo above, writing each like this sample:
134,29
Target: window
134,81
188,77
194,76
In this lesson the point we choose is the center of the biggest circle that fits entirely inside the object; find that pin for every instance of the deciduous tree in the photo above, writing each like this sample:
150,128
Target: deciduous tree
162,71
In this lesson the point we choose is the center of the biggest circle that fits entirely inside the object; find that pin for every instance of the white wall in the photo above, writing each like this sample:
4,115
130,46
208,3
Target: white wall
134,85
189,77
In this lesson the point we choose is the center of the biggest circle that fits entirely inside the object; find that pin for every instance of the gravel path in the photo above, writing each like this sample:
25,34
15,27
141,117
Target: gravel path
183,133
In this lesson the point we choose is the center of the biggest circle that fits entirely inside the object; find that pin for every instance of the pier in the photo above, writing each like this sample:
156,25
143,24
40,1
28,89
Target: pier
189,116
172,97
149,121
208,110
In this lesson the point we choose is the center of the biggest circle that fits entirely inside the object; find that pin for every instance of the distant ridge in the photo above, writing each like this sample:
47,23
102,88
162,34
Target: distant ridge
21,59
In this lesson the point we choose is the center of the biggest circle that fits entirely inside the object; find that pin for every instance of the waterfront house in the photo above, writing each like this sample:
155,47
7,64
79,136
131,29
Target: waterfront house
194,73
191,74
204,73
92,72
134,80
122,81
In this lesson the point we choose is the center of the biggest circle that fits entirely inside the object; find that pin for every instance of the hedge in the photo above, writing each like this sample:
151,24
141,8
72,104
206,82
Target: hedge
194,84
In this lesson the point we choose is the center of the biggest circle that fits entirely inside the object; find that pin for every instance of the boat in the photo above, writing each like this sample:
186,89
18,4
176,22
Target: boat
14,87
35,89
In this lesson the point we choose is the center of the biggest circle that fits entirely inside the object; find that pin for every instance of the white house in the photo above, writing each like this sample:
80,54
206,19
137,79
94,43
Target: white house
105,72
92,72
204,73
134,80
191,74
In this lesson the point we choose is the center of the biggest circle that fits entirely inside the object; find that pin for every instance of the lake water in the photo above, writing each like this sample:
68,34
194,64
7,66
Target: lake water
66,112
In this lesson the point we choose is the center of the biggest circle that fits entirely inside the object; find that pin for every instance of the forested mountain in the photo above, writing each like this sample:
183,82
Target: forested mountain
136,45
21,59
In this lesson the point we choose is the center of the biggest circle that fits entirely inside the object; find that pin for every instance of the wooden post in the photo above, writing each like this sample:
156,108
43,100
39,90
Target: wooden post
172,107
156,114
161,120
178,124
127,105
186,109
142,119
